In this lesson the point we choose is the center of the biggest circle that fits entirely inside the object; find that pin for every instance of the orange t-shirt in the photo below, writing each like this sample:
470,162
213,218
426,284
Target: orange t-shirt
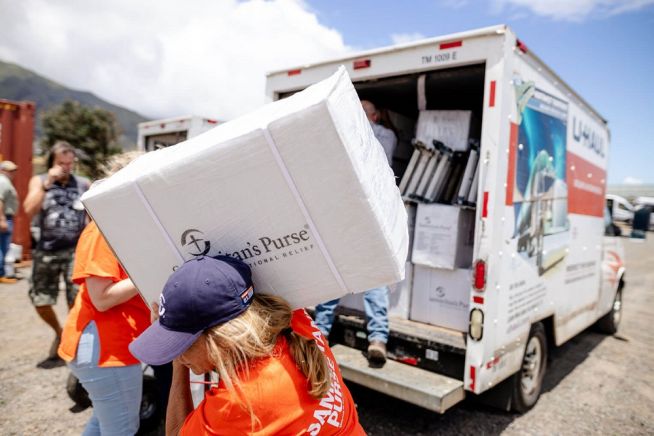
117,326
277,391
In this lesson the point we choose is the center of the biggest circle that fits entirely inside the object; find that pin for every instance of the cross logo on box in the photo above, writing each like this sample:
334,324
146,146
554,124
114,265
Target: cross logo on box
192,239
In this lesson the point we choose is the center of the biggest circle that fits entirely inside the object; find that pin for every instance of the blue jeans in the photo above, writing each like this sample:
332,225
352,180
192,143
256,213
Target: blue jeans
5,242
376,304
114,391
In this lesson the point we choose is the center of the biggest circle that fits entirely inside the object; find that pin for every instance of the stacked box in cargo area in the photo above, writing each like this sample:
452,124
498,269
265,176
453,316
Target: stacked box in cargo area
440,181
443,242
439,189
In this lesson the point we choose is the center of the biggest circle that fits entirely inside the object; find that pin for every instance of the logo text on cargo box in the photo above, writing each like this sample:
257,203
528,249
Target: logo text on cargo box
263,250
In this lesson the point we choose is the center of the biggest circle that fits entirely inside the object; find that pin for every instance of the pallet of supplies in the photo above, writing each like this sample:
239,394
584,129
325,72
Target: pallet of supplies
299,189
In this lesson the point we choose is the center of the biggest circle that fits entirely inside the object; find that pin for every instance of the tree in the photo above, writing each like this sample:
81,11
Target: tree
92,131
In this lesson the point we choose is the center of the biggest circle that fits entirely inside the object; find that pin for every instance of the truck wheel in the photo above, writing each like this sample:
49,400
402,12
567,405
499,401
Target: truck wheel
528,382
610,322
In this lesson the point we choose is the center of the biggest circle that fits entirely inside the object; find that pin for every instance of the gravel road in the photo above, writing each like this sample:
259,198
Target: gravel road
594,384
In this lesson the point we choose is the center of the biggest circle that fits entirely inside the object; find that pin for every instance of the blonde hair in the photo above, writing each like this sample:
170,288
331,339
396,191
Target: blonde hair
118,161
238,343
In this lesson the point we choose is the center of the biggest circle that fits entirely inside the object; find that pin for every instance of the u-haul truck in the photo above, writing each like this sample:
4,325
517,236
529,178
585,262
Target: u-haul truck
545,262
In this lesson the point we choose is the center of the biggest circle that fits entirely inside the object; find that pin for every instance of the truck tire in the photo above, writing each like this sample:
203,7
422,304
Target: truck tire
610,322
528,381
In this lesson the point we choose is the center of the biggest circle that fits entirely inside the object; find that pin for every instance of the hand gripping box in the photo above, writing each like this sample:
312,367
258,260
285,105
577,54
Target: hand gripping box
300,190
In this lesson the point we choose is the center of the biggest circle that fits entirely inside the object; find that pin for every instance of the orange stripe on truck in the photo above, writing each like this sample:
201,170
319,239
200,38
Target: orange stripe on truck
586,186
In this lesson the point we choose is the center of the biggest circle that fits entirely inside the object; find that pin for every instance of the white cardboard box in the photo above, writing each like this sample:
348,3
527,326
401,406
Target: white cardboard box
444,236
441,297
399,298
299,189
452,128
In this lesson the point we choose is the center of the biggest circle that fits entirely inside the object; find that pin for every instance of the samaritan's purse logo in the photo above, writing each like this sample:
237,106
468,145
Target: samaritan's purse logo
263,250
194,242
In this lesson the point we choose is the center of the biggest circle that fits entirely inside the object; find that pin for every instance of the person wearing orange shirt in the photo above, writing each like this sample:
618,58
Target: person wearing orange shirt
107,315
277,374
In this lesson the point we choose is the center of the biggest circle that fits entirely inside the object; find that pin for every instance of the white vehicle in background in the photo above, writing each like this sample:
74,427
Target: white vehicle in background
156,134
546,261
620,208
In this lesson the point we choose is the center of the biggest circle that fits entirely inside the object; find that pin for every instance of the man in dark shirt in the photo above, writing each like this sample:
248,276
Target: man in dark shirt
54,199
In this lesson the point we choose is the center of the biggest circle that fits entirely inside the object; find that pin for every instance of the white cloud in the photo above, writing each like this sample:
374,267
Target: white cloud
454,4
166,57
632,181
575,10
403,38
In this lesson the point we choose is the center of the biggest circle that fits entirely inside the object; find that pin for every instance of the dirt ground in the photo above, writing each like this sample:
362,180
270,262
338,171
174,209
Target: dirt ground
594,384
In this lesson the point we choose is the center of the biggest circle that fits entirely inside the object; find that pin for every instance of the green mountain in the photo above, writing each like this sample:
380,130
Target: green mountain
18,83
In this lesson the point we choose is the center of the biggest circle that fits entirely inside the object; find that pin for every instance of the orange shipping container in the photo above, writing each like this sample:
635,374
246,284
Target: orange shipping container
16,143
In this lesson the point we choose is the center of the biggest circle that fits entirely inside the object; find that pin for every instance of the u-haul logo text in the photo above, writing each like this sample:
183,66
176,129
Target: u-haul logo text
586,136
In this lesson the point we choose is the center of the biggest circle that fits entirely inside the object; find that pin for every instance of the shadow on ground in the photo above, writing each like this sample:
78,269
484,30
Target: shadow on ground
383,415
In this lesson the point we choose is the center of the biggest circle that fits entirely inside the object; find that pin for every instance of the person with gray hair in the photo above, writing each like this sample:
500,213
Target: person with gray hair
384,135
53,199
8,208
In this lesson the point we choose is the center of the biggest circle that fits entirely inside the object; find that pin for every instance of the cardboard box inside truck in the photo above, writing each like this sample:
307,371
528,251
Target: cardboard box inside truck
443,236
300,190
441,297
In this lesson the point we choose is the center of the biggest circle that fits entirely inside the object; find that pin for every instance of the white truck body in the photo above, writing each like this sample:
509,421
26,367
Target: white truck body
566,279
156,134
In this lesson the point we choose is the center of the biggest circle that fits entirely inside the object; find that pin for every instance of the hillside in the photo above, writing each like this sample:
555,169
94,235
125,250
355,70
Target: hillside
18,83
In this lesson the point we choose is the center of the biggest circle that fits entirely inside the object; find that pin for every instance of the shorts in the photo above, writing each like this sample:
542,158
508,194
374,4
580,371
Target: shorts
47,269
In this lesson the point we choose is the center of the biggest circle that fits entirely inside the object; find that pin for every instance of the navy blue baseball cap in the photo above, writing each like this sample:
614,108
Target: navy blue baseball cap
202,293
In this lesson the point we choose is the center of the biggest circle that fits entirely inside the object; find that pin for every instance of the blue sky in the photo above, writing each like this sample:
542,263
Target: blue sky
606,56
166,58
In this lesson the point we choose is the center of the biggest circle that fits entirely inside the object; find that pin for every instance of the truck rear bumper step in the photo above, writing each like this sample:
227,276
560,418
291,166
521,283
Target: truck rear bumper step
426,389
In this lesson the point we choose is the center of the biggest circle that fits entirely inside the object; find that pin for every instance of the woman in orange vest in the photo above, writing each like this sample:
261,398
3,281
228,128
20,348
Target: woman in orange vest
107,315
277,374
